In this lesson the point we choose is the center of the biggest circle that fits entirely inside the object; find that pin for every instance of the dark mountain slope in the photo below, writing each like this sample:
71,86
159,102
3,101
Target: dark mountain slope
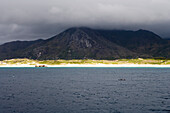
80,43
140,41
15,49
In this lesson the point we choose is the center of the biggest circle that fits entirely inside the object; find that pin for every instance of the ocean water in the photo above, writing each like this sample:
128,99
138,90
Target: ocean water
84,90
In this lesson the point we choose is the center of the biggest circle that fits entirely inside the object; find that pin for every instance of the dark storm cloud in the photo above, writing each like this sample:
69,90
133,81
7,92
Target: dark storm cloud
33,19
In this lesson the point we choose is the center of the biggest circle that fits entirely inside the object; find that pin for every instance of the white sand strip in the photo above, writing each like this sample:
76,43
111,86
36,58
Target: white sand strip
90,65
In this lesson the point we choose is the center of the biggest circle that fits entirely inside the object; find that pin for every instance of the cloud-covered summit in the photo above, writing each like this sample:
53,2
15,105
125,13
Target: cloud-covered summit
32,19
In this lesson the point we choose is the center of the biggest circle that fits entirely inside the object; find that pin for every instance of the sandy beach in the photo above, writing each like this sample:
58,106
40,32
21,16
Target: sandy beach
90,65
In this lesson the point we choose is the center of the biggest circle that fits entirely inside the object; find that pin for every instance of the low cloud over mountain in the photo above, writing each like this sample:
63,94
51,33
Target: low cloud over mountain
30,19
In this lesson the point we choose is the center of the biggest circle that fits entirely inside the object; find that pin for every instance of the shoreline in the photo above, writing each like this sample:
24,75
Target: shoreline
91,65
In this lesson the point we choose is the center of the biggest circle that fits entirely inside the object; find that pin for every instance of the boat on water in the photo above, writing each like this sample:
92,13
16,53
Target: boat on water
40,65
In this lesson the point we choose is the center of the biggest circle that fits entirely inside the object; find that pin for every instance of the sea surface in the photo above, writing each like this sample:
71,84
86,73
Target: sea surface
84,90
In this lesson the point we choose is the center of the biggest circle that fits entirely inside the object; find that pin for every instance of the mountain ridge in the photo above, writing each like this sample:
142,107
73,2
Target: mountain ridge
87,43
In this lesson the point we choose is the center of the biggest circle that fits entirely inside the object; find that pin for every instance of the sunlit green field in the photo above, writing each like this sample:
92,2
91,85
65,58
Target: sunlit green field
85,61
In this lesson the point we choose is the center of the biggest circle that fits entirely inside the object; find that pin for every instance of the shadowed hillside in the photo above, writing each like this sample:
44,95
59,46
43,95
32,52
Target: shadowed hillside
86,43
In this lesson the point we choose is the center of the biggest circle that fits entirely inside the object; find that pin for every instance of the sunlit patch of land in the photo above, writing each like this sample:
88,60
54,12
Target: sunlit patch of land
85,62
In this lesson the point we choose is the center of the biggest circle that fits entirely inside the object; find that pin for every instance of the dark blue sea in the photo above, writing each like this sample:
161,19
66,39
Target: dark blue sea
84,90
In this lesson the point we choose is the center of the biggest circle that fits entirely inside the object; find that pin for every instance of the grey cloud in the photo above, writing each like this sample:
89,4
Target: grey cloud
33,19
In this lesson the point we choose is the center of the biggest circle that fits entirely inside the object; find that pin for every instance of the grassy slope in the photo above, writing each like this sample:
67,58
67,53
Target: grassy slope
86,61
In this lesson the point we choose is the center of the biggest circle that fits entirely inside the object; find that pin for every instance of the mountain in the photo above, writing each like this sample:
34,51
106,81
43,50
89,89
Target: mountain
86,43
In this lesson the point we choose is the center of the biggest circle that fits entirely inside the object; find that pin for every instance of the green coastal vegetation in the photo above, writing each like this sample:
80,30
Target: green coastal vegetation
85,61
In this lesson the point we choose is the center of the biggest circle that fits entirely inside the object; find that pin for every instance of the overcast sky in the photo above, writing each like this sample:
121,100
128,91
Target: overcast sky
34,19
